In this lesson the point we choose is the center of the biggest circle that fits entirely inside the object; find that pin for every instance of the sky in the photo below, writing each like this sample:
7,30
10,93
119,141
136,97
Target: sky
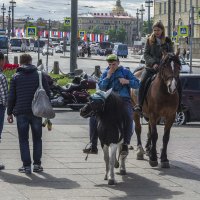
57,10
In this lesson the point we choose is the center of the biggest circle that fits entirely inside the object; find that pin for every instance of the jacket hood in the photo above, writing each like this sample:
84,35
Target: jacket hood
27,68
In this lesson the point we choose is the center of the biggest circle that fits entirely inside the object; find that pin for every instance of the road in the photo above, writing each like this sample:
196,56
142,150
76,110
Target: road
86,64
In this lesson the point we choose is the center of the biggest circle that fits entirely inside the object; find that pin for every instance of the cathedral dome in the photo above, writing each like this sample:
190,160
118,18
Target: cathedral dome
118,9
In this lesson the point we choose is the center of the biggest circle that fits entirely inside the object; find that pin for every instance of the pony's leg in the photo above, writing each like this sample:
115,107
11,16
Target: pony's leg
122,161
106,159
138,130
153,160
164,160
112,156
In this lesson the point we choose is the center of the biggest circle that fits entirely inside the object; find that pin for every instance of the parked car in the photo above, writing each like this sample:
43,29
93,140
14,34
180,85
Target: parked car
50,51
59,49
190,99
185,68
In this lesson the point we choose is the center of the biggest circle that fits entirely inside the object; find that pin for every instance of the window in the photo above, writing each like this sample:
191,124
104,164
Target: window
192,84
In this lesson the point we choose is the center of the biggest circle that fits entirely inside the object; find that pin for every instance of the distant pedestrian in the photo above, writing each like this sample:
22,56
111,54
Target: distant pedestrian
22,89
3,96
184,53
188,54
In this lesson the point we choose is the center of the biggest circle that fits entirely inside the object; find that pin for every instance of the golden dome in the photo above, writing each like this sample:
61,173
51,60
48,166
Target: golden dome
118,9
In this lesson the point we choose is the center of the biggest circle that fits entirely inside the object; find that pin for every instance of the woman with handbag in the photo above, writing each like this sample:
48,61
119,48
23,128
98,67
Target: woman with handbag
23,86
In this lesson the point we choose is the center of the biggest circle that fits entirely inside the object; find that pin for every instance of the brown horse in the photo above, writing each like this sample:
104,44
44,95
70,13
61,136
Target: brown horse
161,102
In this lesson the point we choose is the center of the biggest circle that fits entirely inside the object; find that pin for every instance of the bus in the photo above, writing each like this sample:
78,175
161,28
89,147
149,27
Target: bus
18,44
3,44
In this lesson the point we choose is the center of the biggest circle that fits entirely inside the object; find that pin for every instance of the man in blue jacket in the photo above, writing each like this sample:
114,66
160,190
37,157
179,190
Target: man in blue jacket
120,80
22,89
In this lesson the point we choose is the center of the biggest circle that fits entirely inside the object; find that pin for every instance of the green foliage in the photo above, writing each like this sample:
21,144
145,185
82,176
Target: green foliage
9,74
117,35
96,30
64,28
145,27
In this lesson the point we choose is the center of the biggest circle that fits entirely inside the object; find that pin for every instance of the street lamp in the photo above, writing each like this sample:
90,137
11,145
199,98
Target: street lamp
149,4
12,4
3,9
9,11
142,10
137,15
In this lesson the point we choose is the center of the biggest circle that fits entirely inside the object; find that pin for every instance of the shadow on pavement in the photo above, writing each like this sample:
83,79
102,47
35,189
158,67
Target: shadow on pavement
39,180
134,186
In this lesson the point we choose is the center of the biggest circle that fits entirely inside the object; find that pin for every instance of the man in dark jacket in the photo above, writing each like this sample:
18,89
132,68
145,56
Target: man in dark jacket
22,89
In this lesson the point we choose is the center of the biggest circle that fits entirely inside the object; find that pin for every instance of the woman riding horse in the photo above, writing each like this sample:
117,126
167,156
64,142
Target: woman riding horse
155,45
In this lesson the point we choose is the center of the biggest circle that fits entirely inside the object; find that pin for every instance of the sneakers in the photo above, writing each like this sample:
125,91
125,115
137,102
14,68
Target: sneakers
124,150
2,167
137,108
25,169
90,150
37,168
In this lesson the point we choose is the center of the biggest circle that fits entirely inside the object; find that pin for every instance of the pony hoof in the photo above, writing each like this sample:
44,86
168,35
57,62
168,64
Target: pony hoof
116,164
122,172
153,163
105,177
111,182
165,165
147,153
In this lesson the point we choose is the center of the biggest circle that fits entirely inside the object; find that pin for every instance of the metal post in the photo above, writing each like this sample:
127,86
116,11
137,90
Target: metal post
3,11
48,47
74,30
9,11
142,20
149,4
13,4
149,27
169,18
38,43
191,34
174,14
137,15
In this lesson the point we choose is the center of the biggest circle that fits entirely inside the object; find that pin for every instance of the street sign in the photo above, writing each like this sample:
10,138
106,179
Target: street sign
81,34
183,31
31,31
67,21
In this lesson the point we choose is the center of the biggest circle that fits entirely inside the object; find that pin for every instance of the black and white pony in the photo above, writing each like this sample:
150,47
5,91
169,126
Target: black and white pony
111,115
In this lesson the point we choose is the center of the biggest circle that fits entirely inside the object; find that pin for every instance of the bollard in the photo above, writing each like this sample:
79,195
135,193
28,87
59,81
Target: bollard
56,68
39,62
97,71
15,59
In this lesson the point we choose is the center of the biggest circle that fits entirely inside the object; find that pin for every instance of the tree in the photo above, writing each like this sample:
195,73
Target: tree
96,30
145,27
117,35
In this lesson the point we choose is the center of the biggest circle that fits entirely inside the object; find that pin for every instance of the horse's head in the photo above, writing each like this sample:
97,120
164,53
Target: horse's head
169,70
96,104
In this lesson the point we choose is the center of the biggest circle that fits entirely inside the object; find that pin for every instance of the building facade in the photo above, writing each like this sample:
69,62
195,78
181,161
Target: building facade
180,16
117,18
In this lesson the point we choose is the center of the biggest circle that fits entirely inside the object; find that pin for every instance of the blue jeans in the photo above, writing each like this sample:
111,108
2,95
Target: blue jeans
23,123
129,131
2,114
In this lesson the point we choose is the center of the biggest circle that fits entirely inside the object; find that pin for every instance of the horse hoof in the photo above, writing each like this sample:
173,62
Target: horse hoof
140,156
111,182
165,165
105,177
122,172
147,153
116,164
153,163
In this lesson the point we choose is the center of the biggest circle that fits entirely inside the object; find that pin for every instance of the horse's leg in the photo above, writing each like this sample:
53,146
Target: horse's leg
106,159
138,130
148,144
164,160
122,161
112,156
153,160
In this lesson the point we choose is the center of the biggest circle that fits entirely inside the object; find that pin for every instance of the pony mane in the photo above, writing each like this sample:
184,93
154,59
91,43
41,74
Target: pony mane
112,120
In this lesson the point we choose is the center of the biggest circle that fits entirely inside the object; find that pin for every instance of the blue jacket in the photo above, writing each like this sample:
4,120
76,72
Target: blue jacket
113,82
22,89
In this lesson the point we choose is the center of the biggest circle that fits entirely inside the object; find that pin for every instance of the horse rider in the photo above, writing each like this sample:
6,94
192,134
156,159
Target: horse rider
120,80
156,43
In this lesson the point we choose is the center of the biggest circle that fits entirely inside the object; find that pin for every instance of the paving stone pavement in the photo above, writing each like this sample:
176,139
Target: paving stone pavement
68,176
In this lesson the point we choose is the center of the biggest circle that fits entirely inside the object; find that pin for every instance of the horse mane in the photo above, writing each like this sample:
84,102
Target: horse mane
112,121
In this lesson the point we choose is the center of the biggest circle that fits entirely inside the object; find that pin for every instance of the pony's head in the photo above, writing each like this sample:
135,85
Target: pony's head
169,70
96,104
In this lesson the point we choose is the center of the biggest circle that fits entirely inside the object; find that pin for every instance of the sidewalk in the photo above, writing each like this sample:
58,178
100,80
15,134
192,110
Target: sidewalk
68,176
